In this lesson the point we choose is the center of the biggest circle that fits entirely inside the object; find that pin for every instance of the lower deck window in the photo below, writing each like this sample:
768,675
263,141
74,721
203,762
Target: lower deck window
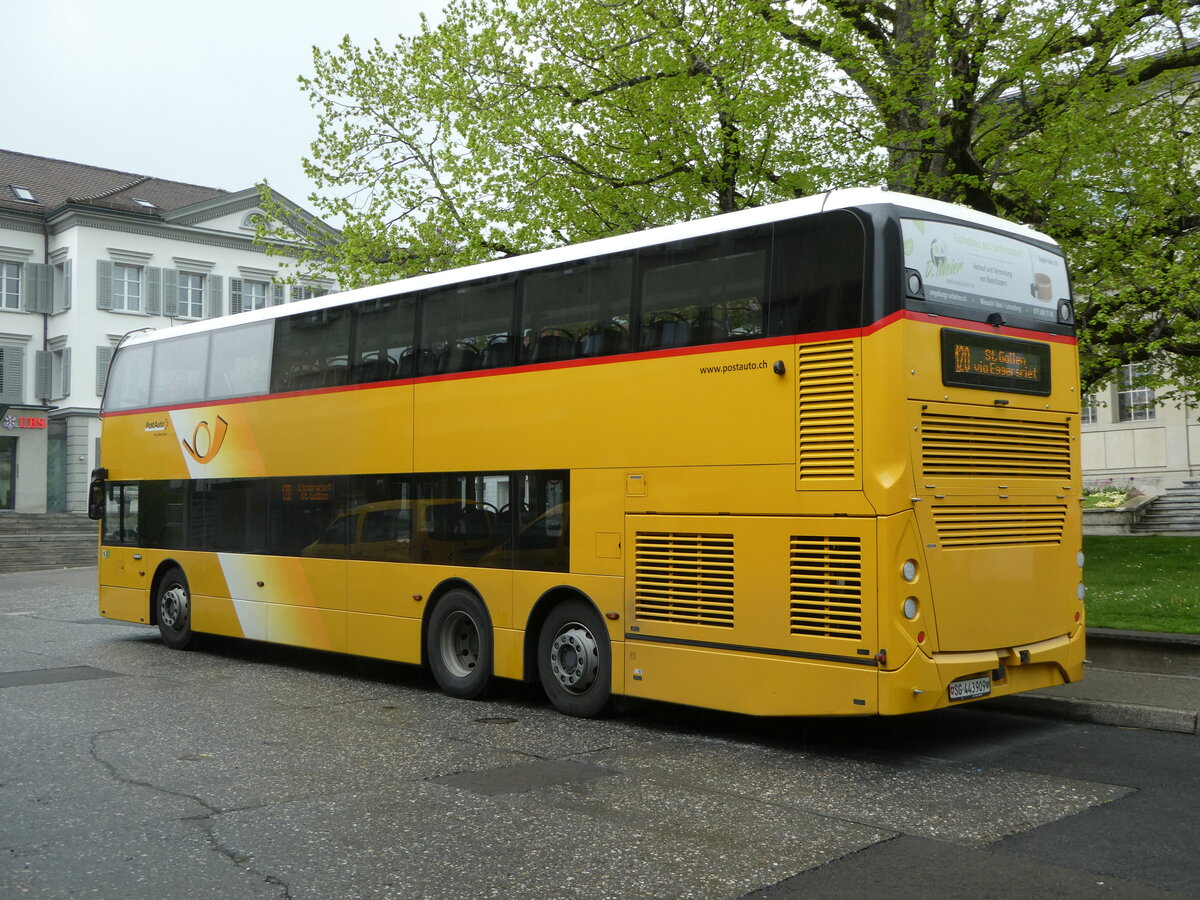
493,519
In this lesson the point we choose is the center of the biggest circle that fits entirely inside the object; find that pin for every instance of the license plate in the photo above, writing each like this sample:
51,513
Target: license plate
970,688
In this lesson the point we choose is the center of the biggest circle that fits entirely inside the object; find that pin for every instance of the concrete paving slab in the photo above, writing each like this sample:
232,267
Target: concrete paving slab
961,804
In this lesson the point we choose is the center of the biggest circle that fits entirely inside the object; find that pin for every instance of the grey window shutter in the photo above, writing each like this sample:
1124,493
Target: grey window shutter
66,372
154,290
67,284
216,296
39,287
235,296
12,374
170,292
43,374
103,357
296,293
277,295
104,279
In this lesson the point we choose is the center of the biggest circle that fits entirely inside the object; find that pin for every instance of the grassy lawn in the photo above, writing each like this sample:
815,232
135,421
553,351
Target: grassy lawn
1147,583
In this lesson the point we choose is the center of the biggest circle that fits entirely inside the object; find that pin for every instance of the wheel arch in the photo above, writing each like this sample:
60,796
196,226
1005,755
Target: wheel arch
533,625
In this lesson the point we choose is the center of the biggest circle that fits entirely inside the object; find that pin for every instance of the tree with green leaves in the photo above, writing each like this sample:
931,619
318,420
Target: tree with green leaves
514,125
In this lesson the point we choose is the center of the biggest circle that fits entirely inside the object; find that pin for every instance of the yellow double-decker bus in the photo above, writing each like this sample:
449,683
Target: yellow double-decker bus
815,458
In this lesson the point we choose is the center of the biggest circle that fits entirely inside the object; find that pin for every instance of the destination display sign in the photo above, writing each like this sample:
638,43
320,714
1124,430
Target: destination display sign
974,360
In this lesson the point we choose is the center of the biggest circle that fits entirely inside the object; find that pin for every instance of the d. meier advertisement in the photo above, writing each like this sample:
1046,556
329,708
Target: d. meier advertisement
981,270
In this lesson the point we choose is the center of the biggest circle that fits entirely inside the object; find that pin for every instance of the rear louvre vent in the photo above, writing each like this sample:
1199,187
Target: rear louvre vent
981,447
997,526
685,578
827,420
826,586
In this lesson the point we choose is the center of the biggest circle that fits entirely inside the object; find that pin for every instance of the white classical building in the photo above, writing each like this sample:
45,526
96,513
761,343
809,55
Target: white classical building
87,255
1131,437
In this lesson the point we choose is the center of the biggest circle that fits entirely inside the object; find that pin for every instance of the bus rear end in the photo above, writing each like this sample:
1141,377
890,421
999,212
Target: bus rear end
975,379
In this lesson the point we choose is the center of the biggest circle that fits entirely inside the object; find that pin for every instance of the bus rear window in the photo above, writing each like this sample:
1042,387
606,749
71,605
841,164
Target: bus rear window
982,272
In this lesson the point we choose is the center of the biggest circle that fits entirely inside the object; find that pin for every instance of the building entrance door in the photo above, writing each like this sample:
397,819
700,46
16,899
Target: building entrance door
8,472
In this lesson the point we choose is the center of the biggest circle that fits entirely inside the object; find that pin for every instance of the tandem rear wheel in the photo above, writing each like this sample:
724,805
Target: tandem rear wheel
459,645
574,659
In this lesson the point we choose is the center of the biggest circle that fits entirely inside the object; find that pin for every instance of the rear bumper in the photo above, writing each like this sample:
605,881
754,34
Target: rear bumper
922,682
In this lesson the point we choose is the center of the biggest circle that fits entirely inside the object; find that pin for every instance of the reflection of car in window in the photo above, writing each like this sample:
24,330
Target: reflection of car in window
542,545
447,531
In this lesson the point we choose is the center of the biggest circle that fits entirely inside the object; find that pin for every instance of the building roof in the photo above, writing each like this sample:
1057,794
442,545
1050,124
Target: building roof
54,182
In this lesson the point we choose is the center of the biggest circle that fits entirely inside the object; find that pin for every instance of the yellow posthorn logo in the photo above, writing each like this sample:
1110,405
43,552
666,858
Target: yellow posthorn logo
207,440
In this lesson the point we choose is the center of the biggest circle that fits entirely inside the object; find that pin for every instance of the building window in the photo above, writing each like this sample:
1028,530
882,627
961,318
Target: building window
10,285
1134,403
306,292
61,300
1089,412
191,296
254,295
127,288
22,193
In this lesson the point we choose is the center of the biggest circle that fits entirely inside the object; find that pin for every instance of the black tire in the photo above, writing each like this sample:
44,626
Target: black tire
173,609
459,645
575,660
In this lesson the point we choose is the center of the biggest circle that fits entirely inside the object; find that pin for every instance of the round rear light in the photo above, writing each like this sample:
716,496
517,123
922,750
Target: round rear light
910,608
909,570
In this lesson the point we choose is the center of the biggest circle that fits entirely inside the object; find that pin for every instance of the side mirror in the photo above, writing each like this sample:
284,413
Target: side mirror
96,494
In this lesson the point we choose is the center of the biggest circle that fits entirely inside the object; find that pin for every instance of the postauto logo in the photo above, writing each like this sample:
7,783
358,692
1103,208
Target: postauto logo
206,440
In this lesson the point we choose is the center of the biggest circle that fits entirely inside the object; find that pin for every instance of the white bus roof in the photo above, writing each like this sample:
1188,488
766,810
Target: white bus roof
759,215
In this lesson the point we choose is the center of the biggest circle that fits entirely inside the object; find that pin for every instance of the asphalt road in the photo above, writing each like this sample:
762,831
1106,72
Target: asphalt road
245,770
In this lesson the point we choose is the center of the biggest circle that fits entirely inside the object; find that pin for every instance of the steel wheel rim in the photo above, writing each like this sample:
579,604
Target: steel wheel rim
574,658
459,644
173,607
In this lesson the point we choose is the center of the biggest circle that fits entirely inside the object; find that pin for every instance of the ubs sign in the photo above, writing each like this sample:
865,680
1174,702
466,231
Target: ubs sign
12,423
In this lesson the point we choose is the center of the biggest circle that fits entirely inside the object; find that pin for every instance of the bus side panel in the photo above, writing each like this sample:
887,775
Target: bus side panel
661,412
748,683
756,614
384,637
597,521
124,604
305,599
301,626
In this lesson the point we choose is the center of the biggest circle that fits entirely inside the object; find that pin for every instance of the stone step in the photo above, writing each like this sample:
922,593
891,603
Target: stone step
31,541
23,523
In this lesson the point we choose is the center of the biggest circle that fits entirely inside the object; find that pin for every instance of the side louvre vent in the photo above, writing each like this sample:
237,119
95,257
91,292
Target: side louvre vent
981,447
827,414
826,586
685,578
997,526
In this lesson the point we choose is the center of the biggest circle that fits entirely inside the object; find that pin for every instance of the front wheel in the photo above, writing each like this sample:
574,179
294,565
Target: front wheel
173,609
460,645
575,660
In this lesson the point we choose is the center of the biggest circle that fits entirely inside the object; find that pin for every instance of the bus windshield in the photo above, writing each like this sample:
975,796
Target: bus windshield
986,272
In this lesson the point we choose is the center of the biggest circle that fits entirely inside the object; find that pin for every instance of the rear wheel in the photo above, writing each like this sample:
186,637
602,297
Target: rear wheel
459,645
575,660
173,609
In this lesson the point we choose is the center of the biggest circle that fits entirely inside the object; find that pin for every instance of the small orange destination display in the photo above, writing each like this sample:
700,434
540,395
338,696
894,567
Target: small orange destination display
970,359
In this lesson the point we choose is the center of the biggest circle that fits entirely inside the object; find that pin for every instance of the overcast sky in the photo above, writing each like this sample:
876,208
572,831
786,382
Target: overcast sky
203,93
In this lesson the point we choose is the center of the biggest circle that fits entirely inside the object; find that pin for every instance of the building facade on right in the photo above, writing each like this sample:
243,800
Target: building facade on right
1131,436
